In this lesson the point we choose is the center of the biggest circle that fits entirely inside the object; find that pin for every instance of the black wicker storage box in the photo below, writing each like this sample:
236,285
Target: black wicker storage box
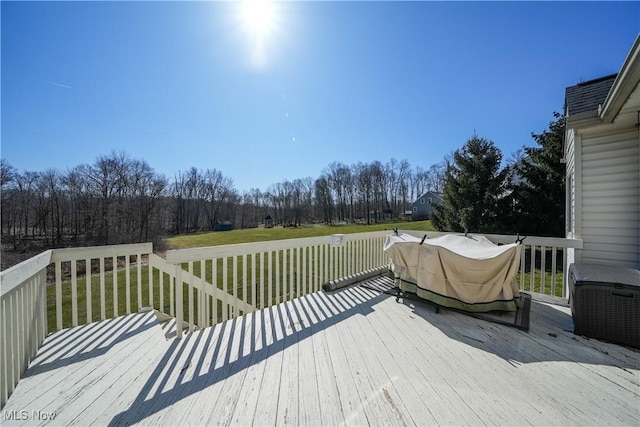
605,302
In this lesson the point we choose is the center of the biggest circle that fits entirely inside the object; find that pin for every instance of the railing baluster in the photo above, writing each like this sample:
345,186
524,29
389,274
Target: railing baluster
333,262
202,298
305,282
285,277
234,285
269,275
43,307
543,267
5,351
190,299
161,290
254,284
59,294
245,297
214,280
522,265
87,263
172,298
74,292
532,268
139,280
114,280
225,292
179,307
12,369
277,276
262,269
150,272
21,318
31,305
565,287
294,271
127,266
553,269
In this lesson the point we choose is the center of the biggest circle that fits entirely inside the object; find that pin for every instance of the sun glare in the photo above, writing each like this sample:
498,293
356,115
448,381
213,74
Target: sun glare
259,20
258,16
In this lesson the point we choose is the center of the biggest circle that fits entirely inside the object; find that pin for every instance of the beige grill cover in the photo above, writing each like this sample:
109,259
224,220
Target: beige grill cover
465,272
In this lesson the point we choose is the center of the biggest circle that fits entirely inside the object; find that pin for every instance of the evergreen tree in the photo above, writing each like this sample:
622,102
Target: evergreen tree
539,196
473,186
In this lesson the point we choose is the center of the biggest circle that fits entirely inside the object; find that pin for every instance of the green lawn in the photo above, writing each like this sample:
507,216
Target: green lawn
215,238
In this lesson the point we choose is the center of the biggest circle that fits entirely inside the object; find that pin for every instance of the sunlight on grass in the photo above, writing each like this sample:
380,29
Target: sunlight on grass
216,238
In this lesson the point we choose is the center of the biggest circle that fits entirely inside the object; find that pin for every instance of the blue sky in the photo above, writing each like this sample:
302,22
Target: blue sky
192,84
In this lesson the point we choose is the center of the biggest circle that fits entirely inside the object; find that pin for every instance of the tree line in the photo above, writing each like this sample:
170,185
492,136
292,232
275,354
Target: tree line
119,199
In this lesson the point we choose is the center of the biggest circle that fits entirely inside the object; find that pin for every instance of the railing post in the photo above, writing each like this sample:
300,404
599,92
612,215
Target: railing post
179,308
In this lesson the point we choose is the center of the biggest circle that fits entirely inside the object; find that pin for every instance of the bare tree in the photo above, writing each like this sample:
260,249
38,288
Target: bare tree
324,198
217,189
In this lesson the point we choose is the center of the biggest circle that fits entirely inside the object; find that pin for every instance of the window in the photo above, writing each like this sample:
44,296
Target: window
429,200
422,200
415,209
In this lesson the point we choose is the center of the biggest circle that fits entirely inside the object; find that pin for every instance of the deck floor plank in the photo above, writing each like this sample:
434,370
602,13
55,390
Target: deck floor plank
244,410
329,404
350,400
266,411
125,389
209,348
288,398
243,357
487,376
348,357
380,399
81,378
308,397
520,385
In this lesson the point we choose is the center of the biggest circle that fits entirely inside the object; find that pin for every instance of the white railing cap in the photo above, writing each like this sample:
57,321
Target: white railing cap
90,252
177,256
14,276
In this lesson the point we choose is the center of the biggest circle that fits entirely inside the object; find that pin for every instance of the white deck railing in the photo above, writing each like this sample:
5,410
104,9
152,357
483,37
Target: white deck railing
257,275
62,288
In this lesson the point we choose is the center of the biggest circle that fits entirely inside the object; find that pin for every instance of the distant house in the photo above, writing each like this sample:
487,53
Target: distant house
602,154
423,207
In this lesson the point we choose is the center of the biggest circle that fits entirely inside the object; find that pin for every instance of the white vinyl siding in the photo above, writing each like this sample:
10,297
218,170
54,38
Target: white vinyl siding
610,220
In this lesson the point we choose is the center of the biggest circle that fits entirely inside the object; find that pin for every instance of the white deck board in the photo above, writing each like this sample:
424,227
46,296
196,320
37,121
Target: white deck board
349,357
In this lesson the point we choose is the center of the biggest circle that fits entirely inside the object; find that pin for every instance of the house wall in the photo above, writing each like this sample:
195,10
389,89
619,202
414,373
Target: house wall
605,195
421,208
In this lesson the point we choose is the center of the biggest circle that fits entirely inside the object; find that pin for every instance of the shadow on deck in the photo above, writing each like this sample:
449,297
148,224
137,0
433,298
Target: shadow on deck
330,358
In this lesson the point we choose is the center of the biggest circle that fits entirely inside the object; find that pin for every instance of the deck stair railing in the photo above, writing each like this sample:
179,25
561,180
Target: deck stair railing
62,288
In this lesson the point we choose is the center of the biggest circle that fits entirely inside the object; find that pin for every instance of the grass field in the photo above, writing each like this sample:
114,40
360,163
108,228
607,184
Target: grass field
248,235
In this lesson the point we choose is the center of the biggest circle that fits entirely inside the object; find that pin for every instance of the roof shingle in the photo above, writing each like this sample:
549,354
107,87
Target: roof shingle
587,96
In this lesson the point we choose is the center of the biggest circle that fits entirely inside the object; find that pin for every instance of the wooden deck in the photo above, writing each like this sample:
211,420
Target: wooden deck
353,356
